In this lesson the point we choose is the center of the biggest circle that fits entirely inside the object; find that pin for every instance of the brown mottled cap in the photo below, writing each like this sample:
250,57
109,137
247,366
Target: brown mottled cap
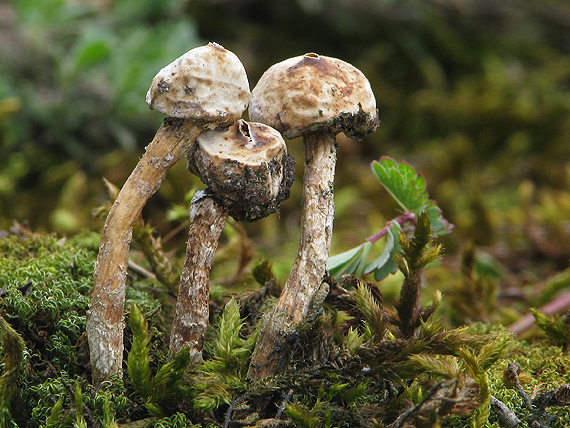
246,168
312,93
208,84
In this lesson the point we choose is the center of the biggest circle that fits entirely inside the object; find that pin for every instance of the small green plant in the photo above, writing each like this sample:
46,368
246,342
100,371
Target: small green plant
178,420
158,391
224,373
53,421
415,255
319,415
78,404
408,188
556,327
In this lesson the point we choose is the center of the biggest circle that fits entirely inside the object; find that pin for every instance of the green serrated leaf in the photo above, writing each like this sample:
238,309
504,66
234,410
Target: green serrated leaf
352,267
350,261
389,268
402,182
407,171
388,162
363,257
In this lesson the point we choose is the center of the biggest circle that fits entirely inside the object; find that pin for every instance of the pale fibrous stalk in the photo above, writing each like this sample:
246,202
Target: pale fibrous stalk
316,97
309,267
247,173
204,88
208,218
105,317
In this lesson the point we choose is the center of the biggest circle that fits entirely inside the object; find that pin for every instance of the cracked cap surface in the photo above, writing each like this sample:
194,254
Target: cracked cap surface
207,83
314,92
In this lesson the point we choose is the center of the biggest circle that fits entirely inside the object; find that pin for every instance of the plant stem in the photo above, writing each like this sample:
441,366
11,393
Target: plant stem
208,218
309,268
557,305
105,317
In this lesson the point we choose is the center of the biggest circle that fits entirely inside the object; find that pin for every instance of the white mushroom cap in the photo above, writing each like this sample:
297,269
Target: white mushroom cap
312,92
208,84
246,168
244,143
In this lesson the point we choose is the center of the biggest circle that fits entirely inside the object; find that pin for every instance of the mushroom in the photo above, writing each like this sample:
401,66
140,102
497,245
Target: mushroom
205,88
247,173
315,97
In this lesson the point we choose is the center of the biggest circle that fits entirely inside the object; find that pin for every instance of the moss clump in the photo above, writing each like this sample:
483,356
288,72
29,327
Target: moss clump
45,282
358,361
12,346
542,368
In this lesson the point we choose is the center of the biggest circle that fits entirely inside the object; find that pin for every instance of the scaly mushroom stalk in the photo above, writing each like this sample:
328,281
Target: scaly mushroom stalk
315,97
208,219
105,317
248,173
316,227
204,88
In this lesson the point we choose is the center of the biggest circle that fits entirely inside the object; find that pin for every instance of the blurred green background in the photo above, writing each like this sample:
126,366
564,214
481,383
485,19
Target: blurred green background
475,94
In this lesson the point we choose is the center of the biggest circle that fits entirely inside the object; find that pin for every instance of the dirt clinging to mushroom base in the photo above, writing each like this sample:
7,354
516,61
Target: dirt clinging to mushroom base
243,190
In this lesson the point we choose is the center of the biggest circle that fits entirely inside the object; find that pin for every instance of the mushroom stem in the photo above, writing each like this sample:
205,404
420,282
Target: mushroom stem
271,350
105,316
208,218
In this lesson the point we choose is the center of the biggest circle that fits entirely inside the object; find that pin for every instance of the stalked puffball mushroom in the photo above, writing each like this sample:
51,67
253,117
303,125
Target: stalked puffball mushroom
247,173
205,88
315,97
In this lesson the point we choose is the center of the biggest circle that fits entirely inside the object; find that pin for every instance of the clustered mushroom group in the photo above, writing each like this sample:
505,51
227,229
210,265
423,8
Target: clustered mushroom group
247,173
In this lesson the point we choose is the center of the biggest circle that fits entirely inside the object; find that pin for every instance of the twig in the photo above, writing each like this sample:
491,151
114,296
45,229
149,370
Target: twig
399,422
140,270
181,227
559,304
555,397
505,415
513,371
284,404
235,402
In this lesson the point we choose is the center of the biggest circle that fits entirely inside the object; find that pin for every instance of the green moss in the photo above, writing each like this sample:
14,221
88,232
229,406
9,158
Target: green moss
341,374
45,282
543,367
178,420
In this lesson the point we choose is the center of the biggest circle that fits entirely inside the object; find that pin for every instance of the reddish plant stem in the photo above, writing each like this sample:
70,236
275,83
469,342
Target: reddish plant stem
105,317
208,218
271,350
559,304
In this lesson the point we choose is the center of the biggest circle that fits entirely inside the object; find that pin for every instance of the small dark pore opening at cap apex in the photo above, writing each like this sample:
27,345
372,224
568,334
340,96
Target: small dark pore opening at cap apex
244,128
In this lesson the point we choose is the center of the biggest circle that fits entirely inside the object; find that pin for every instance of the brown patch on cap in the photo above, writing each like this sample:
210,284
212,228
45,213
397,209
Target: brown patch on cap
314,92
208,84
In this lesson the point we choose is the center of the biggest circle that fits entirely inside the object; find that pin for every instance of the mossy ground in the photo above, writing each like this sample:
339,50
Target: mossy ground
337,376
